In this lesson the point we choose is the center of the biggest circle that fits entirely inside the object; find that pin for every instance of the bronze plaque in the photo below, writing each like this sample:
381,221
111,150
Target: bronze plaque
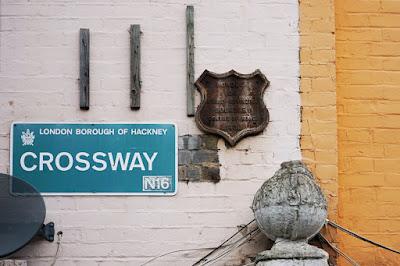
232,104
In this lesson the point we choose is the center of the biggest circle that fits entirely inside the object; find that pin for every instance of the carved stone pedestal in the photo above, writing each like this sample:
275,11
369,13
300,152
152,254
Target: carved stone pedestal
292,253
293,262
13,263
290,208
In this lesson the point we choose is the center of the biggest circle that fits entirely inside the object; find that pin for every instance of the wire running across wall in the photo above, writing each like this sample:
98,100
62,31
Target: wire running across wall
353,234
223,243
228,246
341,253
243,240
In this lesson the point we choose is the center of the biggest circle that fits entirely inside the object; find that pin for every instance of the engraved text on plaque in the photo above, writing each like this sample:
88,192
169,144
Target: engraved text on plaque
232,104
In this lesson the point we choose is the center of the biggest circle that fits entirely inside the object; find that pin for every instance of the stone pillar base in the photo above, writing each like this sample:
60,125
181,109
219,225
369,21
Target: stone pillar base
13,263
292,253
293,262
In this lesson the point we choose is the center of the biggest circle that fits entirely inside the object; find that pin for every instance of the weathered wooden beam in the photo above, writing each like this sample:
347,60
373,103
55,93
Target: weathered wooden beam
84,45
135,66
189,61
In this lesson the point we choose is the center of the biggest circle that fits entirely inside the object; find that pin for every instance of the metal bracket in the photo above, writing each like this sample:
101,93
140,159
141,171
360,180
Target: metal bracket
47,232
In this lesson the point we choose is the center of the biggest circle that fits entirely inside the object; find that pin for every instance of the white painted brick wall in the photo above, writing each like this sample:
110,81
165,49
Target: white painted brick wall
38,82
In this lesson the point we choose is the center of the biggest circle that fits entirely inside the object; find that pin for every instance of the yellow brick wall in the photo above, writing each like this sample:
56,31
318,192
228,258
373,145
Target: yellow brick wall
368,104
318,95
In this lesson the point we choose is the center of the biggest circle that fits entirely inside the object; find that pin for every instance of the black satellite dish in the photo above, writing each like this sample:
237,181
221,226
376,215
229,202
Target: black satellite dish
22,215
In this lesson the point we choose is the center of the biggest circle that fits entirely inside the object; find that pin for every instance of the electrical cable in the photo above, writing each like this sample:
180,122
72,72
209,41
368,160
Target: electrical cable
59,237
191,249
237,245
211,262
344,255
240,242
341,228
329,231
212,251
175,251
232,246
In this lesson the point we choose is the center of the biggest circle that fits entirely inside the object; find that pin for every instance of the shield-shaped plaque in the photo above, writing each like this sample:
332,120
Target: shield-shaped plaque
232,104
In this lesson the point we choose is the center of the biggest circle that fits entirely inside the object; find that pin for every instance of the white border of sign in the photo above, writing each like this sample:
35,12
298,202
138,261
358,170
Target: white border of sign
102,193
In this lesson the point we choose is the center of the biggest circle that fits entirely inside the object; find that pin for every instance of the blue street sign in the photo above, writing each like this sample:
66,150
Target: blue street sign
96,158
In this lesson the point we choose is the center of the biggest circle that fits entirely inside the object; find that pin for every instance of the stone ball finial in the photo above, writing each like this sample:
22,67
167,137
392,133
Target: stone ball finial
290,205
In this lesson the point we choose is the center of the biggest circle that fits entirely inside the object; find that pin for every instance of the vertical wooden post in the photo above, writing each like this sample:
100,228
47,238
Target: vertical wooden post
189,61
84,45
135,66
